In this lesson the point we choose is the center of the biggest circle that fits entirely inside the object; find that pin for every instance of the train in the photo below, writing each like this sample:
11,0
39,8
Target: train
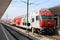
42,20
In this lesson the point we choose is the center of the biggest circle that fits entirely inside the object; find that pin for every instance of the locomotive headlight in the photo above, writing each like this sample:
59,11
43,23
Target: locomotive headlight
48,23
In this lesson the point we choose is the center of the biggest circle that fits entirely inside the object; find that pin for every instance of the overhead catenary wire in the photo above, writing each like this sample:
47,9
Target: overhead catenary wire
35,2
40,3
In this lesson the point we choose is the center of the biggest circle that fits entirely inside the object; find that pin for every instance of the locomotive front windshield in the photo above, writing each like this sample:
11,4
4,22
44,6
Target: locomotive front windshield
46,17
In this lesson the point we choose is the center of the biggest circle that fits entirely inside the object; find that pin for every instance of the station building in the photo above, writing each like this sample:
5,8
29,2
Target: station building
56,14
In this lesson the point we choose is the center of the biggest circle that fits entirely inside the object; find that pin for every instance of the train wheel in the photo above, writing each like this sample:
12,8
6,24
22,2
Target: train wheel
55,31
41,32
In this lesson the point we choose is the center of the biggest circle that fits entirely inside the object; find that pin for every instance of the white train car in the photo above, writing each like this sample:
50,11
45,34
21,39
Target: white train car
41,20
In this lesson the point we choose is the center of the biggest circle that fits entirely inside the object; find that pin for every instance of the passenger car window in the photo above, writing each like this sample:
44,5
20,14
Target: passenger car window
32,19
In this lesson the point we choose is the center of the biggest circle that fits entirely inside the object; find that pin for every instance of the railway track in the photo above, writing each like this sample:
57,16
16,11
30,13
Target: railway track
17,35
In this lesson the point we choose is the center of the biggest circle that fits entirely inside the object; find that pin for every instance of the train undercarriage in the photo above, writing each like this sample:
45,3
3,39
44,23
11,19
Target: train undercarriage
48,31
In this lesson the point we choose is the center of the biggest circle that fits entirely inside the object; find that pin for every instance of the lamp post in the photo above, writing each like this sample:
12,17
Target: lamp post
27,15
27,12
27,9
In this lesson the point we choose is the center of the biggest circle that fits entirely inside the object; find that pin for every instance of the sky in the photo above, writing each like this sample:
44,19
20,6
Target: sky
17,8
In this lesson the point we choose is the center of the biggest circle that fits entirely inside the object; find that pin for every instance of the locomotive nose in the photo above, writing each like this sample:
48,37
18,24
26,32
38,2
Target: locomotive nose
48,23
51,23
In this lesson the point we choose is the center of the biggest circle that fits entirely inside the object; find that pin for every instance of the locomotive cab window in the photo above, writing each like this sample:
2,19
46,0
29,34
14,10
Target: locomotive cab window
47,17
37,17
32,19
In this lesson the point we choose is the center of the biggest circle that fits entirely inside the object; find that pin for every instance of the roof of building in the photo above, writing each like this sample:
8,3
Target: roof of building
3,6
55,10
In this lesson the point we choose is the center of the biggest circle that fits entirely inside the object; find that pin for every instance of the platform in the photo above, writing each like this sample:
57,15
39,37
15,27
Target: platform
4,34
35,35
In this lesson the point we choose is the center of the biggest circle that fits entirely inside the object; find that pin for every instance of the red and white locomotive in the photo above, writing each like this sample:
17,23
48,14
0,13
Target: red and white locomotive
41,20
